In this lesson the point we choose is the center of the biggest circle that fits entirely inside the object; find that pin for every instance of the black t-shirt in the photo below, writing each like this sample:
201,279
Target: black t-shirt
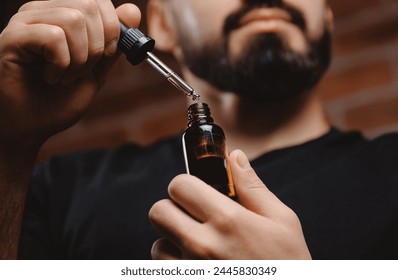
94,204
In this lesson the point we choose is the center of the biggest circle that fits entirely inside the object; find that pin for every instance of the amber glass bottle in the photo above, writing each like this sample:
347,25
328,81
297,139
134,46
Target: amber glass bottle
205,150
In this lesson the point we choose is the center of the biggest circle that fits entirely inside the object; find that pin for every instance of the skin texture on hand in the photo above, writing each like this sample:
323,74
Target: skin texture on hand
54,57
200,223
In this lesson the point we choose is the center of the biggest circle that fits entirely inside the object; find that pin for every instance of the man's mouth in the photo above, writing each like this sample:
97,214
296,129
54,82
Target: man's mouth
265,14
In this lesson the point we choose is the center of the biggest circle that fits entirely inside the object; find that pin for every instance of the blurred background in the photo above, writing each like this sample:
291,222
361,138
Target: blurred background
360,91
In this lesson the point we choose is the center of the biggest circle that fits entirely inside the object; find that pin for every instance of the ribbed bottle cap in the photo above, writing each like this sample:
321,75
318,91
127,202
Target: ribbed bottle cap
135,44
198,112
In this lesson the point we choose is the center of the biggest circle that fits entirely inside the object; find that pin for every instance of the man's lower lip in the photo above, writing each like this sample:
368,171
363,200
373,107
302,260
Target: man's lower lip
264,15
265,25
263,20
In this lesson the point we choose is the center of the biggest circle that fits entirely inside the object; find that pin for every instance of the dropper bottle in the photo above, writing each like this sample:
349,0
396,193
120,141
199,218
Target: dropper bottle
205,150
204,145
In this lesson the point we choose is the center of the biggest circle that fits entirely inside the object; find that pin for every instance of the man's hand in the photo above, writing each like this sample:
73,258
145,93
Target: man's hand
54,56
201,223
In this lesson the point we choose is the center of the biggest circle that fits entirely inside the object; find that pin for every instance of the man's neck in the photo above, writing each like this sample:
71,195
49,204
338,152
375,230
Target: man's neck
257,128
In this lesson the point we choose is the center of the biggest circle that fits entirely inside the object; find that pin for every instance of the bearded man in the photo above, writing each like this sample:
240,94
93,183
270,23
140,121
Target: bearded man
304,188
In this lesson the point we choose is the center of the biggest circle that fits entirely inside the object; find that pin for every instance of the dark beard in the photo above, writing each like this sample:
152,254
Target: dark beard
267,70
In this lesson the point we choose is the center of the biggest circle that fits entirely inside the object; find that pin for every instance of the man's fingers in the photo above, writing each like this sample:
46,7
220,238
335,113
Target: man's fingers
164,249
129,14
198,198
73,24
173,222
251,191
92,32
111,29
83,12
39,40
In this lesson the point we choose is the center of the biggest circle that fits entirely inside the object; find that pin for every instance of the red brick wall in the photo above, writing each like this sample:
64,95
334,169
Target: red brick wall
361,89
359,92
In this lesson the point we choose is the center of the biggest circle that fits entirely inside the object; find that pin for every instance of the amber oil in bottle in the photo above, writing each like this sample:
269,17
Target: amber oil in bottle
205,150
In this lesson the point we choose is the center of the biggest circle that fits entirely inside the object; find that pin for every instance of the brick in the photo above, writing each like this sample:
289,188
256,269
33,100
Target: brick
342,8
359,77
366,36
373,115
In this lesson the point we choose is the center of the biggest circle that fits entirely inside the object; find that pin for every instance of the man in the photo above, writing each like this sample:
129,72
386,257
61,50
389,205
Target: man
255,63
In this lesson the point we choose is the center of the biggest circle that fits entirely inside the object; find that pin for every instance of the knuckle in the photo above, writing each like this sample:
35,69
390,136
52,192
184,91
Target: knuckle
8,35
290,217
200,248
55,33
76,18
177,183
57,38
20,17
63,62
112,33
112,30
295,221
226,220
110,47
89,6
78,61
16,17
253,180
97,52
27,6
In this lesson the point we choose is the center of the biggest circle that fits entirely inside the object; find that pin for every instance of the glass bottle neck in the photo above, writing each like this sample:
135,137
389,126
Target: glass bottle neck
199,113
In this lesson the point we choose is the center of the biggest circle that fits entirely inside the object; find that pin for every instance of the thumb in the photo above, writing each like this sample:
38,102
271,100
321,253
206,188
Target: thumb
251,191
130,15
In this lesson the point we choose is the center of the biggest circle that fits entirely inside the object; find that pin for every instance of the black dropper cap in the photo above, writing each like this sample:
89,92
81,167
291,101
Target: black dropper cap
135,44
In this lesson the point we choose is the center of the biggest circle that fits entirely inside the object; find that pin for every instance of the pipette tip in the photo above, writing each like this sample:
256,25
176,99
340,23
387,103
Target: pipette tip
195,96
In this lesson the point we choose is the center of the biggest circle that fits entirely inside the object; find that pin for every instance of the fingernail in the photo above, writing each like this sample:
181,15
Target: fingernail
242,161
